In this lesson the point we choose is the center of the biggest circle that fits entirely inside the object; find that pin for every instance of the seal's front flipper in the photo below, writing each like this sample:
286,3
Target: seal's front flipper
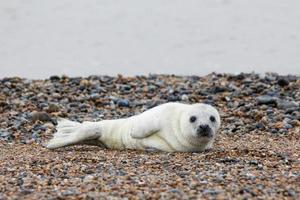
141,133
71,133
158,143
142,128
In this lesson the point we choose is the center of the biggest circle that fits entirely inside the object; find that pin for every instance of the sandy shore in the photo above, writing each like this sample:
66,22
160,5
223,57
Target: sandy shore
256,154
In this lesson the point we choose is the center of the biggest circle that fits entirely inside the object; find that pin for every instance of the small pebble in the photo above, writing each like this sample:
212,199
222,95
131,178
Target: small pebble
287,104
54,78
267,100
40,116
283,82
123,103
184,97
53,108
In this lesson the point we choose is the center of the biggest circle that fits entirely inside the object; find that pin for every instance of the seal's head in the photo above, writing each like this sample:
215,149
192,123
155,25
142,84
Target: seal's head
199,123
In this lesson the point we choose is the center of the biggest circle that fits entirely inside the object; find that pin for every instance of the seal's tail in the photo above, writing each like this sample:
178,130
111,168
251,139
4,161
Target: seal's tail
71,133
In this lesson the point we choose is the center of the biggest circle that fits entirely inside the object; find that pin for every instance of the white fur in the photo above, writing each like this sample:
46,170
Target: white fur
165,127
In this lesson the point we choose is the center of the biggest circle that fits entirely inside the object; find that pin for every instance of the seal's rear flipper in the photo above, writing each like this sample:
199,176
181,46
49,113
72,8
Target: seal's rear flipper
71,133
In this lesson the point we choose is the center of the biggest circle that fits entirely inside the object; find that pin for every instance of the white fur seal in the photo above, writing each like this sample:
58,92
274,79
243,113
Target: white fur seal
170,127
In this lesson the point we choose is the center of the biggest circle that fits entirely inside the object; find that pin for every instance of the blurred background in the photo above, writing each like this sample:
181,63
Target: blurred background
133,37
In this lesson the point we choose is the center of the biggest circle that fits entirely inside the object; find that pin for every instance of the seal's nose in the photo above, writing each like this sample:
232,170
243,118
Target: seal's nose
204,130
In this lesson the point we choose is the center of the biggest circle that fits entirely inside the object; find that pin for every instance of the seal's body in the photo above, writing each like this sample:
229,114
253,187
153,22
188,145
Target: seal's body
169,127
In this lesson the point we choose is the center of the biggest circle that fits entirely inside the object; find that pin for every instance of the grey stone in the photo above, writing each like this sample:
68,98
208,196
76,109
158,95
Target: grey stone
265,99
282,104
282,81
123,103
211,191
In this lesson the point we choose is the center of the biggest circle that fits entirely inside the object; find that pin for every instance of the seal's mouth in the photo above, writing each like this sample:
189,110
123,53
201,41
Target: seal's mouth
204,131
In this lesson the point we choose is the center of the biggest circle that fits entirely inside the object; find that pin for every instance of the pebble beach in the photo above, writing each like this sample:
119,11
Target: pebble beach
256,154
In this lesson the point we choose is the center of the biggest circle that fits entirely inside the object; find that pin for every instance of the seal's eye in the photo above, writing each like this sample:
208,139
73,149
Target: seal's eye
193,119
212,118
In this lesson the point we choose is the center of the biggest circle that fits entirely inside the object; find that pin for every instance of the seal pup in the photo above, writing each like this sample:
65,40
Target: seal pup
170,127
